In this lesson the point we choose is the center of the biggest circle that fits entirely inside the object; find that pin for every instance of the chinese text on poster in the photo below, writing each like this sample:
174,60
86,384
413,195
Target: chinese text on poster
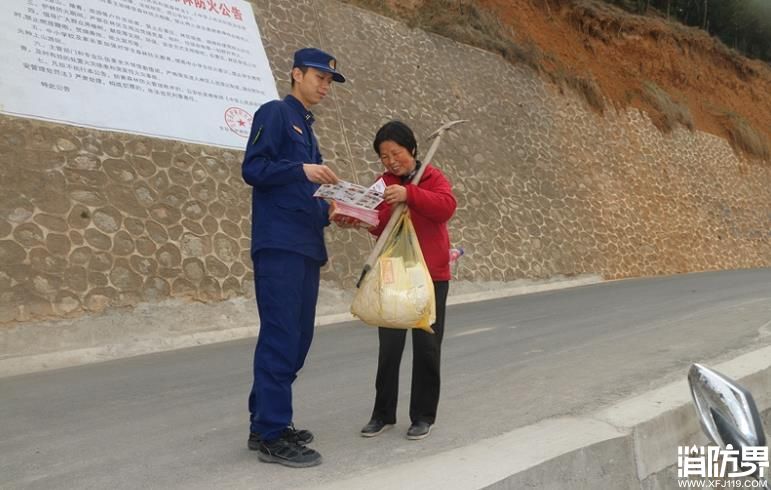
191,70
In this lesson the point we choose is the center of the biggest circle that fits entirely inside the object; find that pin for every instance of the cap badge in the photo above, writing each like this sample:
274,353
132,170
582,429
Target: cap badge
333,64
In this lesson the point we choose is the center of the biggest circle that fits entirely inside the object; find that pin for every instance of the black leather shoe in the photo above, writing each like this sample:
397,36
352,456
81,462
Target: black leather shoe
418,430
374,428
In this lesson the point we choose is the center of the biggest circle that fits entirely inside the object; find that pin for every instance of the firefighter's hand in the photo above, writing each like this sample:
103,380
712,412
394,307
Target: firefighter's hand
319,174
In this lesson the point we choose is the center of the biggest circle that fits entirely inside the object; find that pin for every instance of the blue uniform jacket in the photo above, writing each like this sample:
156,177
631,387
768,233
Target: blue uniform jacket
285,215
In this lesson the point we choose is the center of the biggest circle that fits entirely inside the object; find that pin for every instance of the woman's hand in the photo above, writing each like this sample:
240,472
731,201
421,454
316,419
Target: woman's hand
395,194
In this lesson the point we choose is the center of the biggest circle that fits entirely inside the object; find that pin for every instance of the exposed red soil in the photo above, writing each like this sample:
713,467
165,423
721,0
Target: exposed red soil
621,51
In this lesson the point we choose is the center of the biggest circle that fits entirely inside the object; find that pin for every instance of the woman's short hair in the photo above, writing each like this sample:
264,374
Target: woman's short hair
399,133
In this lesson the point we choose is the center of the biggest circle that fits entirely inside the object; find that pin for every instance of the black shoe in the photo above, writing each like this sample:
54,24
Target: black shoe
303,437
254,441
418,430
286,451
374,428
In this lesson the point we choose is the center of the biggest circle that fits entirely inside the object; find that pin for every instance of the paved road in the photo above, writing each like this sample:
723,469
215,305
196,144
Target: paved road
178,419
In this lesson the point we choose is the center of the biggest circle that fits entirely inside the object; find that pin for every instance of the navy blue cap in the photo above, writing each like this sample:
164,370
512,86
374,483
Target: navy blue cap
318,59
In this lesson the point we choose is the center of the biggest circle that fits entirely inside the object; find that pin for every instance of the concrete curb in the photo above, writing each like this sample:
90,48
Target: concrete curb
491,461
632,444
146,329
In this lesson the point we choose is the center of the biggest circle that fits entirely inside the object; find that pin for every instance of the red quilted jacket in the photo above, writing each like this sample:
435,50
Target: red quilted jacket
431,205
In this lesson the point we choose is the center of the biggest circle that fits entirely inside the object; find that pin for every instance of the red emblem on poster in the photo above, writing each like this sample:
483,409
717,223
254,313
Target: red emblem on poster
239,121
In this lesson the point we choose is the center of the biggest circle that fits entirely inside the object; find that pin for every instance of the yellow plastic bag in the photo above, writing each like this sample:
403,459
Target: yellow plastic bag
398,292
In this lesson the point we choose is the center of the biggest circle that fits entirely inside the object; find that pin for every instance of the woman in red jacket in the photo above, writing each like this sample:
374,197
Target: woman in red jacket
431,204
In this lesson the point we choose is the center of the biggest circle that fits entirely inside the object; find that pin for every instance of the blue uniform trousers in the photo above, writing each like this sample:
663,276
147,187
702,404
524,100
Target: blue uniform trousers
287,287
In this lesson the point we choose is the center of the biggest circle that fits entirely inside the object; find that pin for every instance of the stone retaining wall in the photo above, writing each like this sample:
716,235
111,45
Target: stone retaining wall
92,220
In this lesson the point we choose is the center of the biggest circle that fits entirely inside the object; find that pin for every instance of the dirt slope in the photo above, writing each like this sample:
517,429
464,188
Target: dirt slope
677,74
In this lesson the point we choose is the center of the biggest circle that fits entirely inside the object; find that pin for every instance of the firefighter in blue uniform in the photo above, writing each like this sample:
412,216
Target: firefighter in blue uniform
283,165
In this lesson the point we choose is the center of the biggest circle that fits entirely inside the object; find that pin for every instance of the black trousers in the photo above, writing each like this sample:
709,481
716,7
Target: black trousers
426,357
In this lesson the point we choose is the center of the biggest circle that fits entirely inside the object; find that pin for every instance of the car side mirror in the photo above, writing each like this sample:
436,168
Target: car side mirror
727,411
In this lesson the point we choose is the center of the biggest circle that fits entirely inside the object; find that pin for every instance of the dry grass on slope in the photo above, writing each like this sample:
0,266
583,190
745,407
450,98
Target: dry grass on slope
671,112
744,137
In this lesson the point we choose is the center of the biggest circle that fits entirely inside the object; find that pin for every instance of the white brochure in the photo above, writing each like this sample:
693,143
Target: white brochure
353,194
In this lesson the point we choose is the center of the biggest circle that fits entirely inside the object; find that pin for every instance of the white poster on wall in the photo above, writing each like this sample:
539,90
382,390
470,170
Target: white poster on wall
189,70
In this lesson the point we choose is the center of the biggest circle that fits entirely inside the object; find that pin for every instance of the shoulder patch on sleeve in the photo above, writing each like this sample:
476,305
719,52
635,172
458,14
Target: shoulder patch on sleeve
257,135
